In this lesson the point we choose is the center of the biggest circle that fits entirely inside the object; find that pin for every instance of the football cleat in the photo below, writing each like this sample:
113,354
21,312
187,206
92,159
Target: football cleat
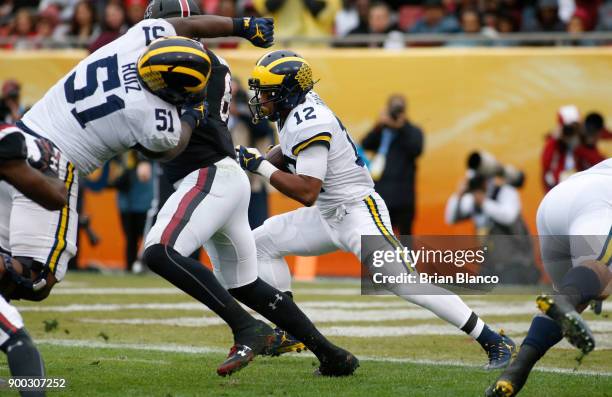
573,326
500,353
341,363
512,380
255,340
239,357
285,343
501,388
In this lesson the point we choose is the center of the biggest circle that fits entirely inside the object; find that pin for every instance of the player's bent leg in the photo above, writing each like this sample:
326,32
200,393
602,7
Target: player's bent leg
543,334
280,309
44,241
301,232
24,359
272,267
371,217
201,205
234,256
579,286
22,355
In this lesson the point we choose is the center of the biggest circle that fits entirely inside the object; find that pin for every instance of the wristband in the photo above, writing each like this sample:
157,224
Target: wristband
238,27
266,169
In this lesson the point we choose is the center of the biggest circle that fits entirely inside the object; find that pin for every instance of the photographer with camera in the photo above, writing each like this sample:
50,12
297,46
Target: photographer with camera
397,143
489,196
11,109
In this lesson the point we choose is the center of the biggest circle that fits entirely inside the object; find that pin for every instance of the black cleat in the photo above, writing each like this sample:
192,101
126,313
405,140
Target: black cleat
341,363
512,380
501,388
500,353
573,326
254,341
285,343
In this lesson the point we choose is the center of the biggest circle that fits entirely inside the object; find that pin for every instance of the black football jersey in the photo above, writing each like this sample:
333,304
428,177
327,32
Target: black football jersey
211,141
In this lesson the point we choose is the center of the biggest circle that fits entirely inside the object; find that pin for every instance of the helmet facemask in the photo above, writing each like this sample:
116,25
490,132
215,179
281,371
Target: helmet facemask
281,97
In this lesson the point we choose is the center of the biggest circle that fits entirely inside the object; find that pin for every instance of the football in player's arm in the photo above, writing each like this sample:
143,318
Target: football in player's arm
300,187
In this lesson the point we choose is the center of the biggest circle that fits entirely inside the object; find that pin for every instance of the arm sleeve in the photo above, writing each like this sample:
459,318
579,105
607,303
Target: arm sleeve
458,208
313,162
506,208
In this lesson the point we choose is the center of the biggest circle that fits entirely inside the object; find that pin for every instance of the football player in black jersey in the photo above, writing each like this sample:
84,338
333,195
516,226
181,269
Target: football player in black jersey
23,358
210,208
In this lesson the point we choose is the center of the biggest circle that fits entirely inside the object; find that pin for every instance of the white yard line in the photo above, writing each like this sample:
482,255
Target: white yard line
602,329
111,307
317,311
93,344
176,291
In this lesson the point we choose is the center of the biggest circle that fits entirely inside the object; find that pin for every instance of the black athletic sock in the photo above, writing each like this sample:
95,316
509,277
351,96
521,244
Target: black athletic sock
24,359
281,310
580,285
543,334
289,294
196,280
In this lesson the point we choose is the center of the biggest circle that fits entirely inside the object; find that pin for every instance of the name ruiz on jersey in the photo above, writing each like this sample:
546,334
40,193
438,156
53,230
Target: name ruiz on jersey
129,74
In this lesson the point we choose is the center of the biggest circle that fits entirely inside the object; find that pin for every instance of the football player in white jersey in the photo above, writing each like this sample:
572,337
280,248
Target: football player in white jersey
329,178
125,95
24,360
210,208
575,229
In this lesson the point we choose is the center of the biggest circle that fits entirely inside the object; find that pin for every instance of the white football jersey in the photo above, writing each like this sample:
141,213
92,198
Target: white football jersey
99,109
603,168
312,122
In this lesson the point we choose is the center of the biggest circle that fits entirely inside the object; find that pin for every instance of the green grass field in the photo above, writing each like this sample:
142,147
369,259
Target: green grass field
115,335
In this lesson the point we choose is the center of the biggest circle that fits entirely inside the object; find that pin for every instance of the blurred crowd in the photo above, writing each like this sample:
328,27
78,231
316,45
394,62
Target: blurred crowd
93,23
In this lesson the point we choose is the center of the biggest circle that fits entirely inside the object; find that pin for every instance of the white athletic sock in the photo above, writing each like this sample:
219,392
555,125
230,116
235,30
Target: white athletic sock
275,272
446,305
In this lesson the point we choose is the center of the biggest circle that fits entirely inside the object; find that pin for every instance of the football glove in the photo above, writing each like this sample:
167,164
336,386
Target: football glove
249,158
47,159
259,31
194,114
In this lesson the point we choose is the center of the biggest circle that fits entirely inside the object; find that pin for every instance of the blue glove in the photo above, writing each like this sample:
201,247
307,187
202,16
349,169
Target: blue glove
249,158
194,114
259,31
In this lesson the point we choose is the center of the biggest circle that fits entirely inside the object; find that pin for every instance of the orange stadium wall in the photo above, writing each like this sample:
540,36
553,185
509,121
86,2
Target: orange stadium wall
500,100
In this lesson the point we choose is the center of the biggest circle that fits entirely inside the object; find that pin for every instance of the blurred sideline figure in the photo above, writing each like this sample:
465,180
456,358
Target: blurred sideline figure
134,184
307,18
587,153
558,161
397,144
11,108
17,159
260,135
488,196
575,230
